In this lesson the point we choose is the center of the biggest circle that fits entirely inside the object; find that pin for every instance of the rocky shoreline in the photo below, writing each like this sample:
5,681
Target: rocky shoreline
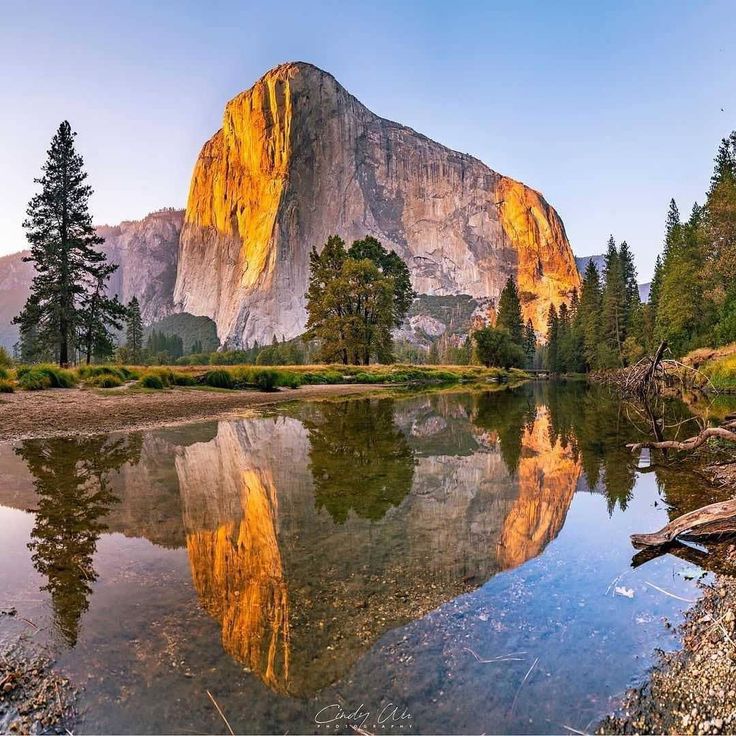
693,690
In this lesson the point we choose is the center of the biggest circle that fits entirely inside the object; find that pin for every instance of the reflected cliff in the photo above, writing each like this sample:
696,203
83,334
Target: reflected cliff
312,532
311,535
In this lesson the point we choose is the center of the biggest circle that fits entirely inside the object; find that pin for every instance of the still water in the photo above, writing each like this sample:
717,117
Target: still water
443,562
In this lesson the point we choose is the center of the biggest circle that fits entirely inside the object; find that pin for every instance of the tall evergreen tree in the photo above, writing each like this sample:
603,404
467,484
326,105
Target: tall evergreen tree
530,344
64,253
589,315
509,312
613,325
553,336
134,332
656,286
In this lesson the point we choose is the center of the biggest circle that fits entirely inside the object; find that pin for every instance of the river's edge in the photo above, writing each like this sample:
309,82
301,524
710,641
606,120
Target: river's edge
692,690
59,412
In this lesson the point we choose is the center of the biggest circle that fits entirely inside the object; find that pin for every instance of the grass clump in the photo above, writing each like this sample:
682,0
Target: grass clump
91,372
4,373
106,380
6,386
722,371
43,376
152,381
219,378
166,377
34,380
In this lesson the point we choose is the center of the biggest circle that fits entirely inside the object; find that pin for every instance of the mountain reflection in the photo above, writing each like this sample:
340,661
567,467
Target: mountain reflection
311,533
71,478
310,536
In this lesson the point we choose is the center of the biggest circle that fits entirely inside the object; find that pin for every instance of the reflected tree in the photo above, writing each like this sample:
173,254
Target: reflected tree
359,458
508,414
71,479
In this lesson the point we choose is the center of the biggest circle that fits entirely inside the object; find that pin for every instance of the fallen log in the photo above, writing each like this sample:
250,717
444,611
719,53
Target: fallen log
692,443
717,518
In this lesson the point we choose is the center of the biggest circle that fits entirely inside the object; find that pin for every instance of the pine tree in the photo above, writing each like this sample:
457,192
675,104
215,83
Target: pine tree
98,314
613,326
553,347
530,344
134,332
509,312
63,251
656,285
589,315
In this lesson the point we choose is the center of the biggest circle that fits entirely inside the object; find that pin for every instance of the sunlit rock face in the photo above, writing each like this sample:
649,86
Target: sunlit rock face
298,158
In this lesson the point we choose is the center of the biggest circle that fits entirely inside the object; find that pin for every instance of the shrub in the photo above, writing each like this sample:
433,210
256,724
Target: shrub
34,380
106,380
152,380
57,377
4,373
5,360
6,386
219,379
264,379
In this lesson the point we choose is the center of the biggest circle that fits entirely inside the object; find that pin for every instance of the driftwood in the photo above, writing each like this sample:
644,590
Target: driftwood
718,518
724,432
654,376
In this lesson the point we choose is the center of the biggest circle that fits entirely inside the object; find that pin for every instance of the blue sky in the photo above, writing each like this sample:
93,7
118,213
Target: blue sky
609,108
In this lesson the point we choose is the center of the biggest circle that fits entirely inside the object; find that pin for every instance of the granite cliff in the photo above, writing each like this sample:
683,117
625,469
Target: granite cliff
146,252
298,158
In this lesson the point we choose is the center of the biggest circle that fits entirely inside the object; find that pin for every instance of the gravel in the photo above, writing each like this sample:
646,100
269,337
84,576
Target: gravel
691,691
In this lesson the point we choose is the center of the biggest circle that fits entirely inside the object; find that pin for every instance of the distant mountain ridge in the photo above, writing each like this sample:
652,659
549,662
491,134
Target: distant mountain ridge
582,263
146,252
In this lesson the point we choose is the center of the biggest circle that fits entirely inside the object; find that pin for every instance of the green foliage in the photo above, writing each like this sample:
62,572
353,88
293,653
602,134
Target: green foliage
509,312
5,360
358,439
198,334
6,386
34,380
134,332
152,380
355,297
495,347
219,379
4,372
67,308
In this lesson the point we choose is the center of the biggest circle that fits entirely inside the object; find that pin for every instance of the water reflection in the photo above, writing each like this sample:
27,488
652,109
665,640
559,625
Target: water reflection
74,496
312,534
359,459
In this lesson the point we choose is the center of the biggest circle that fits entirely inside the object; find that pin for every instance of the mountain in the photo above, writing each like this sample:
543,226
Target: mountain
146,251
298,158
582,263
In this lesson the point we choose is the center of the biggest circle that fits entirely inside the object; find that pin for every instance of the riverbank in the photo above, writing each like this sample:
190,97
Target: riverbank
691,691
56,412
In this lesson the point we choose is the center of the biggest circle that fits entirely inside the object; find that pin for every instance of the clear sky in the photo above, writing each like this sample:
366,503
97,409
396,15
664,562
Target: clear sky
609,108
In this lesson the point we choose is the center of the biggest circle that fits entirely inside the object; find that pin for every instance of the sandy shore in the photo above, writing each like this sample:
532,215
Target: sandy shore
56,412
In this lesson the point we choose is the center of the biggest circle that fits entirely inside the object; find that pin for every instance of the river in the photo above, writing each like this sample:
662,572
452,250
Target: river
452,561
